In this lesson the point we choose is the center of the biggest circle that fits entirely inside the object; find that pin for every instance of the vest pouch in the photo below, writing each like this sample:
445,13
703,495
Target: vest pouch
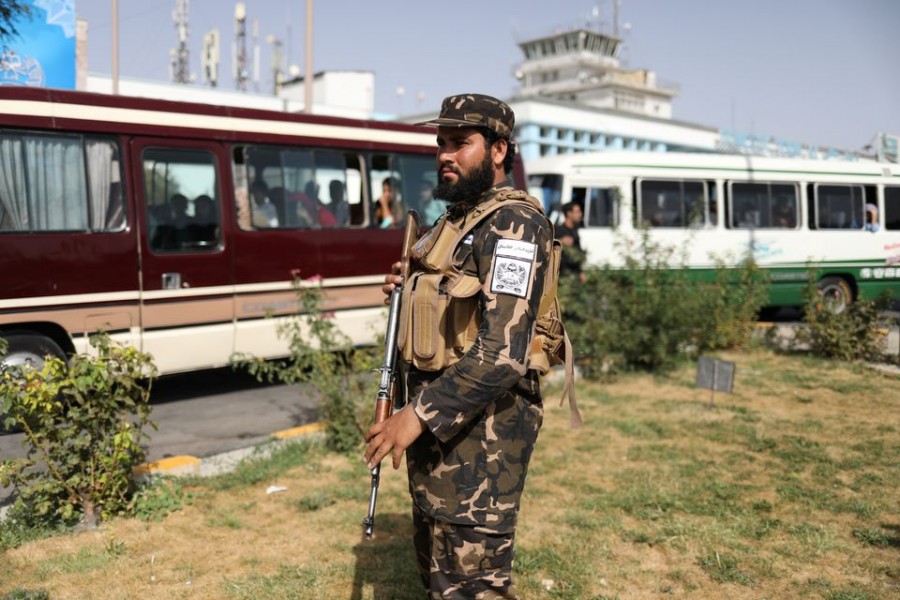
462,328
404,327
547,343
429,308
440,250
462,318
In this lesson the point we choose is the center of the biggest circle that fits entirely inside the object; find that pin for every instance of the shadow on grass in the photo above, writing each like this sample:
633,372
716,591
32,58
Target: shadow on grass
892,539
386,563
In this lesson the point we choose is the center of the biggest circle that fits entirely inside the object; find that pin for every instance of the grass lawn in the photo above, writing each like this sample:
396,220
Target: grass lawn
787,488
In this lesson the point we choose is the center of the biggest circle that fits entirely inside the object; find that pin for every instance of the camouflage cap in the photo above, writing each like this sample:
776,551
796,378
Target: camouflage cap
475,110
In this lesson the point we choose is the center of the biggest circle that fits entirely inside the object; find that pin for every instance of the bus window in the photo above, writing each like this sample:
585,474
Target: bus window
60,183
547,189
289,188
183,209
331,181
676,203
891,218
600,208
838,206
763,205
399,183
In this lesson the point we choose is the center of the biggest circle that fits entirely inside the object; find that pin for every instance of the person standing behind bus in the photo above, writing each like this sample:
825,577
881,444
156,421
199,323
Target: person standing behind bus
469,427
567,232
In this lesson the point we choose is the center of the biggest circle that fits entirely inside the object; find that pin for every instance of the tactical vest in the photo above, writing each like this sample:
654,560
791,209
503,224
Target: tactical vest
439,316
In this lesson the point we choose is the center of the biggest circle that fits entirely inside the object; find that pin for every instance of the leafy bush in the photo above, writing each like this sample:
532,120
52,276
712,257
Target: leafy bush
23,594
156,499
324,357
856,333
83,426
728,307
653,311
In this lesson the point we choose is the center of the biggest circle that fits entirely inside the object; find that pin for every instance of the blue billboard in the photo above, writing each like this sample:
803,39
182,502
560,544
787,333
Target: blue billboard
43,54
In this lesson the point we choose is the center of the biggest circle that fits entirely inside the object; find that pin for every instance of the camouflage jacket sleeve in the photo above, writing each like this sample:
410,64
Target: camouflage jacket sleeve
509,254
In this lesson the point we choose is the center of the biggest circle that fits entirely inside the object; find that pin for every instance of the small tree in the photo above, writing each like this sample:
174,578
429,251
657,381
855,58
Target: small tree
856,333
324,357
10,10
83,427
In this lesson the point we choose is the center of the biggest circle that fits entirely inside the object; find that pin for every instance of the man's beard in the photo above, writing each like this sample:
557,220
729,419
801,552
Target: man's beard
466,186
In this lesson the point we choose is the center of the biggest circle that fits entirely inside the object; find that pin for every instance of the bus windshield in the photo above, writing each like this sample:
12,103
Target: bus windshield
547,188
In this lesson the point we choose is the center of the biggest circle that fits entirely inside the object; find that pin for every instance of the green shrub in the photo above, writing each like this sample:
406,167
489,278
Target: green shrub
23,594
653,311
856,333
83,428
324,357
157,498
730,305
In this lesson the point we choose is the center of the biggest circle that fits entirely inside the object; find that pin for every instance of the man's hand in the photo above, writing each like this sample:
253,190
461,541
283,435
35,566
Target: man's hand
393,436
391,281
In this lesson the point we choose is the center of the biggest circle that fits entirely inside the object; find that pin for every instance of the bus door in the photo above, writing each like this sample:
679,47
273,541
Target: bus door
187,292
600,214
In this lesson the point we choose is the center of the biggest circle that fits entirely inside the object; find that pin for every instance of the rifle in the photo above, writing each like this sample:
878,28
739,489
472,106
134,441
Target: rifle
384,401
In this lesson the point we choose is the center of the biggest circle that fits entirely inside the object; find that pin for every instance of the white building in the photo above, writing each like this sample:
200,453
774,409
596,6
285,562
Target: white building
575,97
547,127
335,93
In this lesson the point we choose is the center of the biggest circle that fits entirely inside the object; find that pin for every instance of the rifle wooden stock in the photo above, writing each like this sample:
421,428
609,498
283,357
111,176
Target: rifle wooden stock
384,401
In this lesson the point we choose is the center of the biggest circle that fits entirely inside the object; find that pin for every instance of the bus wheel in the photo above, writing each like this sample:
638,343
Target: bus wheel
835,293
28,349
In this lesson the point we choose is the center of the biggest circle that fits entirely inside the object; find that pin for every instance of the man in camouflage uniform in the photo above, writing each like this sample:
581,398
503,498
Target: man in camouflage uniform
469,429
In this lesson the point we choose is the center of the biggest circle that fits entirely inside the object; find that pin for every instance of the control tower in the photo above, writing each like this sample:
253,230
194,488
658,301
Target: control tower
582,66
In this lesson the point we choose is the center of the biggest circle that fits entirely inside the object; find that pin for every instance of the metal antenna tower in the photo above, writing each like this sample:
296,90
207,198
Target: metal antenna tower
211,57
241,72
181,68
277,71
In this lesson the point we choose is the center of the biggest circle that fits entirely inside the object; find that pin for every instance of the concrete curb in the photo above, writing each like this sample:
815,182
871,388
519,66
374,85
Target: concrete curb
185,465
176,466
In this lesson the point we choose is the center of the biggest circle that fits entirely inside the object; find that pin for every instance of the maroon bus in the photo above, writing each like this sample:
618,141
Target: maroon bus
177,227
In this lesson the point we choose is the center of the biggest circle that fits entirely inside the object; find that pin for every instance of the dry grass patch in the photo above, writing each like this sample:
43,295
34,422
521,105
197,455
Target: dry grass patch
787,488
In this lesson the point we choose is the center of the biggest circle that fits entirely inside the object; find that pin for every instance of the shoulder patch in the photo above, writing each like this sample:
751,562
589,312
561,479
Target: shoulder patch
513,262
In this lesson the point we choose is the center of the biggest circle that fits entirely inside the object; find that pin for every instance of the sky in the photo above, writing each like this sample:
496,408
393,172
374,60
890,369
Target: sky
822,72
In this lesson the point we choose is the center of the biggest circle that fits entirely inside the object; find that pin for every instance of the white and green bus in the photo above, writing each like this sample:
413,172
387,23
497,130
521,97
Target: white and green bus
840,218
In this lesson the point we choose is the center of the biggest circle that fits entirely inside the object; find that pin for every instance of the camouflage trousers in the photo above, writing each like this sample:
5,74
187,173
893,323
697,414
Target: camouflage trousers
457,562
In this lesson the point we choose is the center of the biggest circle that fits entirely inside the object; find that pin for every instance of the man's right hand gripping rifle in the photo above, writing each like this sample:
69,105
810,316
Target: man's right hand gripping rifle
391,434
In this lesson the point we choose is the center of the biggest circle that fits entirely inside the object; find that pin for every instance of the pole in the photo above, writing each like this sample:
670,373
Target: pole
308,79
115,47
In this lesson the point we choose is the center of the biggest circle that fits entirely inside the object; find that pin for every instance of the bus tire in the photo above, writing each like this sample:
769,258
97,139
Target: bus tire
31,348
835,293
28,348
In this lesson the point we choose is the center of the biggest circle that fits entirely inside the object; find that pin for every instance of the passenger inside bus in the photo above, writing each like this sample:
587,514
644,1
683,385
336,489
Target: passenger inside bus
204,227
339,202
385,208
785,216
325,217
170,230
431,207
264,213
872,218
